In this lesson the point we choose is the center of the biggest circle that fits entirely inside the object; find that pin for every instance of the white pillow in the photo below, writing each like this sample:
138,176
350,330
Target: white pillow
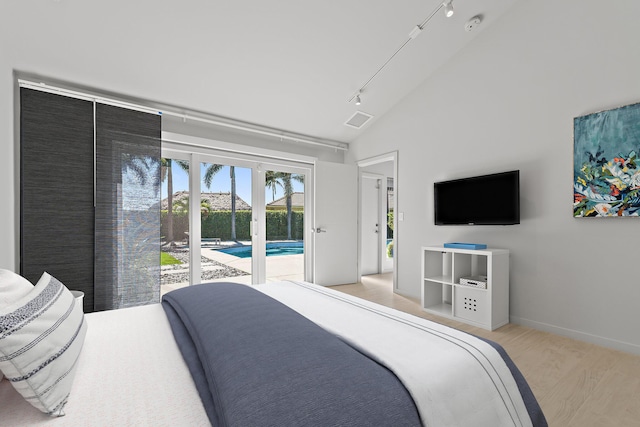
41,336
12,287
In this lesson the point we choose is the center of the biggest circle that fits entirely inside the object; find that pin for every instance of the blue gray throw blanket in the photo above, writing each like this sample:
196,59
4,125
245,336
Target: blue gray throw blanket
256,362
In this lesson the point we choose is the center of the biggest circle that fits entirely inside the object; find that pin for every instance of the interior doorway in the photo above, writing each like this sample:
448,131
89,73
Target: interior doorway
373,224
377,220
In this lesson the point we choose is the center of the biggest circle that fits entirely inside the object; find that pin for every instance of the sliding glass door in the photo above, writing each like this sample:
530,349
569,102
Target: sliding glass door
227,223
284,224
174,223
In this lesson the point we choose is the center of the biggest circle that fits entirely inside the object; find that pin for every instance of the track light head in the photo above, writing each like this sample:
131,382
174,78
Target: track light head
358,100
448,8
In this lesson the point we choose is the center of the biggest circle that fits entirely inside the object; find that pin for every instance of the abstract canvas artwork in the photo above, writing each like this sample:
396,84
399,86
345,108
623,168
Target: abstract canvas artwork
606,168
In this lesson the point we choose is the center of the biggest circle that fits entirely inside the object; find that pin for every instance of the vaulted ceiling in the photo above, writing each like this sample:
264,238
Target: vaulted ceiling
287,64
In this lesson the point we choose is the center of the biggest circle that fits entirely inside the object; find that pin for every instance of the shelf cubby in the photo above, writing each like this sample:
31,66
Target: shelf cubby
443,295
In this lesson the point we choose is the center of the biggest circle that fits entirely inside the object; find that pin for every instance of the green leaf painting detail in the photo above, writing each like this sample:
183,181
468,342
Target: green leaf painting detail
606,177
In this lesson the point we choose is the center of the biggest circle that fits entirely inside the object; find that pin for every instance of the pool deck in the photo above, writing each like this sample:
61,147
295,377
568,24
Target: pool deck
278,268
282,267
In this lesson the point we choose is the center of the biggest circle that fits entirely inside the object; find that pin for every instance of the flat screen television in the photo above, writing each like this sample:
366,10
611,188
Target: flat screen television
480,200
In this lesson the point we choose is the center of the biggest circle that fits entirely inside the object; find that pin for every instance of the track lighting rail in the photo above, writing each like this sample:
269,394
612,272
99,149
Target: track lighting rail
415,32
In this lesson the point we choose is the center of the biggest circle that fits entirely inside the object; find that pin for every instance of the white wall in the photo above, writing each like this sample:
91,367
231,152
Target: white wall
176,125
507,101
8,171
384,168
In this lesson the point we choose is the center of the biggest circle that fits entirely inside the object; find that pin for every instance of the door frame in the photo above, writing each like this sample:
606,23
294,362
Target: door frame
369,161
362,176
295,168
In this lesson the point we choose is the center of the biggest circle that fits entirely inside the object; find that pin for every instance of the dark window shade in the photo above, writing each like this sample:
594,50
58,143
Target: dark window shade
56,190
127,219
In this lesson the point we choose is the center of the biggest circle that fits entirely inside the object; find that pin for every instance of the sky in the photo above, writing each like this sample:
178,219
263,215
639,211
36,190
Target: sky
222,183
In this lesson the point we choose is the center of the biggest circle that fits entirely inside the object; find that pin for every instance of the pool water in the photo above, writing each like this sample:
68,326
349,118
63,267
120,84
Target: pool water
273,249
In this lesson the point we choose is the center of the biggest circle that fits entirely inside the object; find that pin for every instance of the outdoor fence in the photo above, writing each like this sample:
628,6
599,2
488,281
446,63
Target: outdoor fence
217,224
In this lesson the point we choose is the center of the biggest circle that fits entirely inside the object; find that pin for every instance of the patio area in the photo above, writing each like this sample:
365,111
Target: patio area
220,267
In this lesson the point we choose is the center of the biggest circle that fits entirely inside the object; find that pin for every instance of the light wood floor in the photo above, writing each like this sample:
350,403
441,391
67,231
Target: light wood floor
577,384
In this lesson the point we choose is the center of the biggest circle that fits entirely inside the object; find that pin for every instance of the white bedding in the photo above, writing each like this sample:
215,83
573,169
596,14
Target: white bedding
464,383
130,373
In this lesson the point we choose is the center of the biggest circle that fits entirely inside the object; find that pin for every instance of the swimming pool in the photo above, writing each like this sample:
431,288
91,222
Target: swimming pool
273,249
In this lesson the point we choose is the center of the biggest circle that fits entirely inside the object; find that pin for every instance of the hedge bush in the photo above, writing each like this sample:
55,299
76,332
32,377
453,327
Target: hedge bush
277,225
218,224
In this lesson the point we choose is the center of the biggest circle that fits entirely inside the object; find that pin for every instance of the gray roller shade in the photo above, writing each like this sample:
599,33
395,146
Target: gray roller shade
110,248
127,208
56,190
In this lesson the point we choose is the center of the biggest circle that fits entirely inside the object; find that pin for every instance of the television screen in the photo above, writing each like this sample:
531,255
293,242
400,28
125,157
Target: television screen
481,200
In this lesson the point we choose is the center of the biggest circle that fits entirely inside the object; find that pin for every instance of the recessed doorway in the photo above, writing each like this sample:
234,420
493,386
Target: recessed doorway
377,221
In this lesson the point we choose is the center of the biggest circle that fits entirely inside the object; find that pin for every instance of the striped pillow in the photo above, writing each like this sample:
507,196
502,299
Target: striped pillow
41,335
12,287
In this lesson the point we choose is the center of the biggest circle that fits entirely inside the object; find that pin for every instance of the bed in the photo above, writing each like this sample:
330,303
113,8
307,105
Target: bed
361,364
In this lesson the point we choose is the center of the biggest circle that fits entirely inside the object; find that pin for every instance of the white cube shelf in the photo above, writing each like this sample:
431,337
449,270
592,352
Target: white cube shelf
443,295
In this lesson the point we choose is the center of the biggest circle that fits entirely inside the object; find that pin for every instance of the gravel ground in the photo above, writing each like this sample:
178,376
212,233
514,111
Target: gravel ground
177,276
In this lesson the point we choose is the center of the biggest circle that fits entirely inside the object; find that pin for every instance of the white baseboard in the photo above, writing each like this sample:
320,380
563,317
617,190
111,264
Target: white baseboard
578,335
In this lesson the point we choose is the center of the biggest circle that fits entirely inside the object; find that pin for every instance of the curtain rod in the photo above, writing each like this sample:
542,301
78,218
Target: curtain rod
212,119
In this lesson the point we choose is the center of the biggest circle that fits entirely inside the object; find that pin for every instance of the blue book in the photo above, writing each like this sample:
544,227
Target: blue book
458,245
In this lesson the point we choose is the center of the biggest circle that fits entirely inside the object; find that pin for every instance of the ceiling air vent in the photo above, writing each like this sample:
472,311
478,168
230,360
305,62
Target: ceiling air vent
358,119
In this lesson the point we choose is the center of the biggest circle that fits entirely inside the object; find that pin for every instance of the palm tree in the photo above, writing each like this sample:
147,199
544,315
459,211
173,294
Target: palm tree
167,173
288,192
232,175
213,169
140,166
272,181
183,206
